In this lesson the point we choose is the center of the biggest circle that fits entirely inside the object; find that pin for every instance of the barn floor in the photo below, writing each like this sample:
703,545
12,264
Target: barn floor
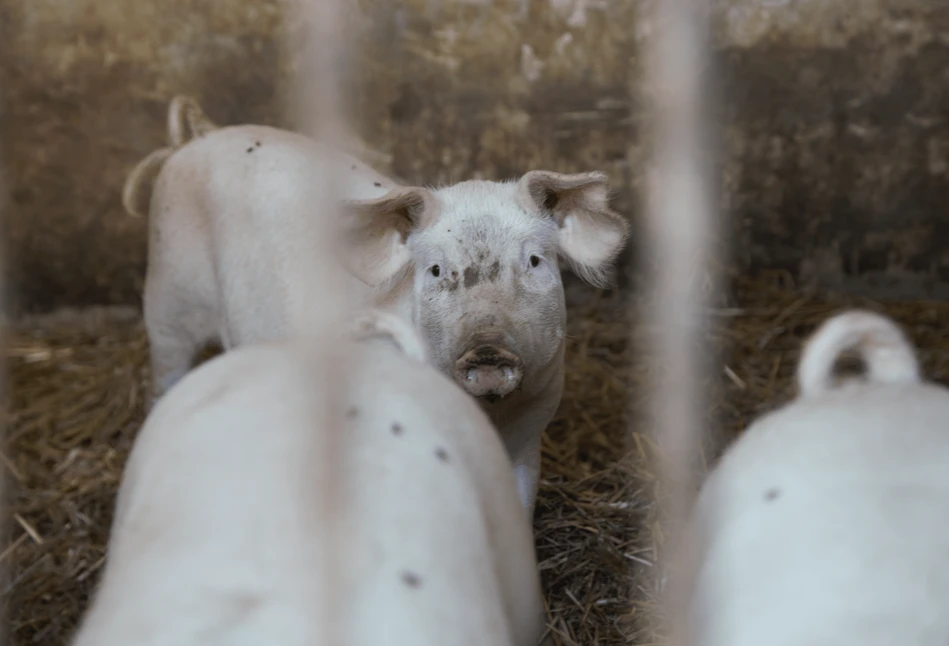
76,389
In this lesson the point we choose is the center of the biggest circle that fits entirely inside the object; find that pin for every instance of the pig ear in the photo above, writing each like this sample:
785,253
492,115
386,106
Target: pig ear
591,234
378,230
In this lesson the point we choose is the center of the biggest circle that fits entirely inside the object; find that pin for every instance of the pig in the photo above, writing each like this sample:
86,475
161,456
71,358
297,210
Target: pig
218,534
825,524
474,265
231,235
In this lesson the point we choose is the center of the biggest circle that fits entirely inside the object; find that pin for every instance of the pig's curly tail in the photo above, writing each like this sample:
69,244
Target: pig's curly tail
137,190
889,357
187,121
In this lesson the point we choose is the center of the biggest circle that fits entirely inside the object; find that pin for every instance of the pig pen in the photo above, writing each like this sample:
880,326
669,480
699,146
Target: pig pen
835,177
78,381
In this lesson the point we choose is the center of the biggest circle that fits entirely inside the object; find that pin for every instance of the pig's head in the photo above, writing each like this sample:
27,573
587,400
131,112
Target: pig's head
480,262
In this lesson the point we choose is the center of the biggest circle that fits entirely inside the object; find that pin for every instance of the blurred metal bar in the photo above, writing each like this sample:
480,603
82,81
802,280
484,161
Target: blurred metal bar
314,36
4,329
680,222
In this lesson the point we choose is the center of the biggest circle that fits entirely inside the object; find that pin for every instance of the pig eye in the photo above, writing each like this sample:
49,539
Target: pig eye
534,260
436,271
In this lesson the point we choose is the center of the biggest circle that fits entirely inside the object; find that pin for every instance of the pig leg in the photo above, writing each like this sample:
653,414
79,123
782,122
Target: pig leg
522,442
523,478
527,475
177,332
522,433
173,355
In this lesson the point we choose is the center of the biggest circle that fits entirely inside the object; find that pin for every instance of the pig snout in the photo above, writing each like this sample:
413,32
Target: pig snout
489,371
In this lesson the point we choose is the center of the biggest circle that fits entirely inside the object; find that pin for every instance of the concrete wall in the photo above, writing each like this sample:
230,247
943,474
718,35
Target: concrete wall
835,118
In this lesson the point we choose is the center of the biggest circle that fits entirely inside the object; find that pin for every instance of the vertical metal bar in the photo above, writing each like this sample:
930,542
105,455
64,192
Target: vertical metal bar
678,249
4,324
314,37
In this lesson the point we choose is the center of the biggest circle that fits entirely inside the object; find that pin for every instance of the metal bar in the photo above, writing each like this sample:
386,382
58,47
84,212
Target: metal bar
678,250
4,326
314,37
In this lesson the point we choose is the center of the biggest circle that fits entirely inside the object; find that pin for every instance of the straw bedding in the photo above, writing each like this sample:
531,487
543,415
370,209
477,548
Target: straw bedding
76,402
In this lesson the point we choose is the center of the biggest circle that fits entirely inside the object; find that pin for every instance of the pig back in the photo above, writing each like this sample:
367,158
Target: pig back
246,203
825,524
215,521
445,553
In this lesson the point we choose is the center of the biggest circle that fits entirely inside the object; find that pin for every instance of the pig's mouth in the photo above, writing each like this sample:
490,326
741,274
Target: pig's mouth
489,372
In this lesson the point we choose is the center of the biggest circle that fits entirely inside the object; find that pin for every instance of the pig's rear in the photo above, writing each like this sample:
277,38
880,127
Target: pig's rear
237,247
216,541
826,521
235,234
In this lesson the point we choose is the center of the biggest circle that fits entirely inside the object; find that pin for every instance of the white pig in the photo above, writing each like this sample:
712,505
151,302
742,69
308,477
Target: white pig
231,234
475,265
217,535
825,523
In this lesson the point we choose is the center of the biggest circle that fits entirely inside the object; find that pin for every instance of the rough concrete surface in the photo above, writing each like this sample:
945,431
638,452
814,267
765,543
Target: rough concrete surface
834,118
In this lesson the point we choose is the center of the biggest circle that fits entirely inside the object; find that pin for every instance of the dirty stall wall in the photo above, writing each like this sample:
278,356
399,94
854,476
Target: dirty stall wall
834,119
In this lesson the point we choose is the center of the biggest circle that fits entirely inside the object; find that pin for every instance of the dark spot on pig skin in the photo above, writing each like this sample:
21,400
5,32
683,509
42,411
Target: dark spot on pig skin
244,604
352,412
376,184
771,494
257,143
251,149
441,454
472,277
494,271
396,429
411,579
353,167
449,284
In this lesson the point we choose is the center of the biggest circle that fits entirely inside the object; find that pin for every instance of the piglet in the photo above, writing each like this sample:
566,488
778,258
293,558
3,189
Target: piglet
825,523
217,536
232,234
476,266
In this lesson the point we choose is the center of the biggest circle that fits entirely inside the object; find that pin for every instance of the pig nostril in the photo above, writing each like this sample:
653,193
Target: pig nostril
488,372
